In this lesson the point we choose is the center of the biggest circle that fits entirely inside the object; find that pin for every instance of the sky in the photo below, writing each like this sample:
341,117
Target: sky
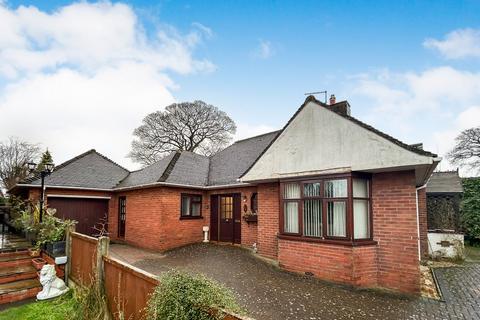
81,75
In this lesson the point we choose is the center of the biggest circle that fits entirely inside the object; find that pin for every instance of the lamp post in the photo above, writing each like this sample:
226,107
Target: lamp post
48,168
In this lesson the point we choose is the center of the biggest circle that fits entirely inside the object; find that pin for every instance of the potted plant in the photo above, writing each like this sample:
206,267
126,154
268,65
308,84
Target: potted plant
51,234
28,223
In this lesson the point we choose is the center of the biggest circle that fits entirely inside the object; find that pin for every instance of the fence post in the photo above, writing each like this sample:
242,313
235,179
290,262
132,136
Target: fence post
102,250
68,251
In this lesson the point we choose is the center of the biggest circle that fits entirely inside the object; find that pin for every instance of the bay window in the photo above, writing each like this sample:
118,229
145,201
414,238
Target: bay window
327,208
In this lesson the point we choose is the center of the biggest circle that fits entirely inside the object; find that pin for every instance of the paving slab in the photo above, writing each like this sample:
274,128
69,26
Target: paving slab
268,292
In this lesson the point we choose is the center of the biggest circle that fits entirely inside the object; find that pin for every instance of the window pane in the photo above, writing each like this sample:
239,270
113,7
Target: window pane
290,217
361,219
312,218
185,206
336,219
311,189
336,188
196,209
360,188
291,191
226,207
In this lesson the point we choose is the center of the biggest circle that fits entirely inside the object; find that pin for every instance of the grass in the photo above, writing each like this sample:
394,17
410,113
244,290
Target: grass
56,309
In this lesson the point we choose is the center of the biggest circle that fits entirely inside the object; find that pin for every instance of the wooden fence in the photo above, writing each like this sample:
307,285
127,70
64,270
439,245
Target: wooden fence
127,288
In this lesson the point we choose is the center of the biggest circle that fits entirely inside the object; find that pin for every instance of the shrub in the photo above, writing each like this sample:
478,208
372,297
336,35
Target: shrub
471,208
182,296
52,229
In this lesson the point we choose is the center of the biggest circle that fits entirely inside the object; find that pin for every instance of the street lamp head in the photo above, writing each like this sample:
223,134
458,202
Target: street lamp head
49,167
31,166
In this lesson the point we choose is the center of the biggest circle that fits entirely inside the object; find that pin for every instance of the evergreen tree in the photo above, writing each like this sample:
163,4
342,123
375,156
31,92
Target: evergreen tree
46,158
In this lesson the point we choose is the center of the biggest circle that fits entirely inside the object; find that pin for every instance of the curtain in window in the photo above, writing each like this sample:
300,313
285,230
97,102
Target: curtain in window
185,206
336,188
361,219
336,215
291,191
311,189
360,188
290,217
312,218
196,209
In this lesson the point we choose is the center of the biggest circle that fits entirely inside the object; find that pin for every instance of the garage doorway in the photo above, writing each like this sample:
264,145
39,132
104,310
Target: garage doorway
88,212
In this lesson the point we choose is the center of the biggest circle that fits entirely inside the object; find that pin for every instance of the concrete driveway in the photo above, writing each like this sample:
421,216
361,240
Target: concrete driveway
267,292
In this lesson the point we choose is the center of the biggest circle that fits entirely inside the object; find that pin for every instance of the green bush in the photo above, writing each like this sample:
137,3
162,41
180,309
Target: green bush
471,208
182,296
52,229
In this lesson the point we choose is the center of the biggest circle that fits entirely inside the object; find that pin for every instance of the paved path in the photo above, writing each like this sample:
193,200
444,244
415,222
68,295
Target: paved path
270,293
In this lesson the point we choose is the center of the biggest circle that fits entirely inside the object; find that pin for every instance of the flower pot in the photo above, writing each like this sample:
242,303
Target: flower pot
38,263
56,248
34,253
250,218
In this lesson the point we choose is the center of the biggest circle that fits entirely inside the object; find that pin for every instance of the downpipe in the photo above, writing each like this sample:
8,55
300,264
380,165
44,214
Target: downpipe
418,221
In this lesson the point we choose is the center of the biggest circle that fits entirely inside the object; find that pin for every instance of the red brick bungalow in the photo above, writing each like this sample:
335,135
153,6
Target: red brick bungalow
334,198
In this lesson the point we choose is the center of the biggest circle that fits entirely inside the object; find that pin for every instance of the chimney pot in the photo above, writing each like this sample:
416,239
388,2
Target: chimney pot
332,99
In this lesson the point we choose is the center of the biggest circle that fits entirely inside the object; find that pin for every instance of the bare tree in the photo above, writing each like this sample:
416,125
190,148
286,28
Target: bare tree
467,149
14,156
188,126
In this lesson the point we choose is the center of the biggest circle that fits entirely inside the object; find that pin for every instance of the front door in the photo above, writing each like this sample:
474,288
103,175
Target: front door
122,216
225,218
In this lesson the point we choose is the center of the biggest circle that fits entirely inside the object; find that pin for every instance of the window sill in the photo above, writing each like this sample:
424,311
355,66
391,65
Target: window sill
190,217
347,243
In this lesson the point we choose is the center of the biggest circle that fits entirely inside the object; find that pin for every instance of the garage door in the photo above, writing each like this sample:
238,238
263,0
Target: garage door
88,212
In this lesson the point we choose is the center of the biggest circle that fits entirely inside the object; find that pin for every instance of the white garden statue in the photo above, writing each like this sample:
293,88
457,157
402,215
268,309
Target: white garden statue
52,285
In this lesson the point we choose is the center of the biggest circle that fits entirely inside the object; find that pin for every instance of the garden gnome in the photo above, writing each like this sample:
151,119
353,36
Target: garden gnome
52,285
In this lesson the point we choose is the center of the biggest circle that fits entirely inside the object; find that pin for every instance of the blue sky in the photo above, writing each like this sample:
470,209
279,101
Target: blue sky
396,62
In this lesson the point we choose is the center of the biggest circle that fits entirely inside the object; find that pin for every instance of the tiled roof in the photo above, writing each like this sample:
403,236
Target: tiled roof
445,182
88,170
229,164
147,175
189,169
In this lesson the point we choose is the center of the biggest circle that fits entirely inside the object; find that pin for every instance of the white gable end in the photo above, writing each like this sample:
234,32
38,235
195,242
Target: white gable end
320,141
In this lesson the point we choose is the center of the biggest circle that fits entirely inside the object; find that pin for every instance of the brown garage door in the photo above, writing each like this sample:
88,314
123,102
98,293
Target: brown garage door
87,212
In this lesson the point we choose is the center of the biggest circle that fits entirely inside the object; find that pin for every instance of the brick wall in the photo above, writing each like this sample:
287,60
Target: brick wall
365,266
422,218
268,219
325,261
153,217
395,230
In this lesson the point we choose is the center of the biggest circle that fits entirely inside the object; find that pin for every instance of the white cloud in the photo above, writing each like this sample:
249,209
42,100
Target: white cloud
85,75
462,43
435,104
264,50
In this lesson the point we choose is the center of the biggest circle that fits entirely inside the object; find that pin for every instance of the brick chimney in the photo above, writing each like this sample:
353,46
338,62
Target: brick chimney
332,99
342,107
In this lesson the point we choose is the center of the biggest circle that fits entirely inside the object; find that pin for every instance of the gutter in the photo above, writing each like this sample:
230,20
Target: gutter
148,185
60,187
